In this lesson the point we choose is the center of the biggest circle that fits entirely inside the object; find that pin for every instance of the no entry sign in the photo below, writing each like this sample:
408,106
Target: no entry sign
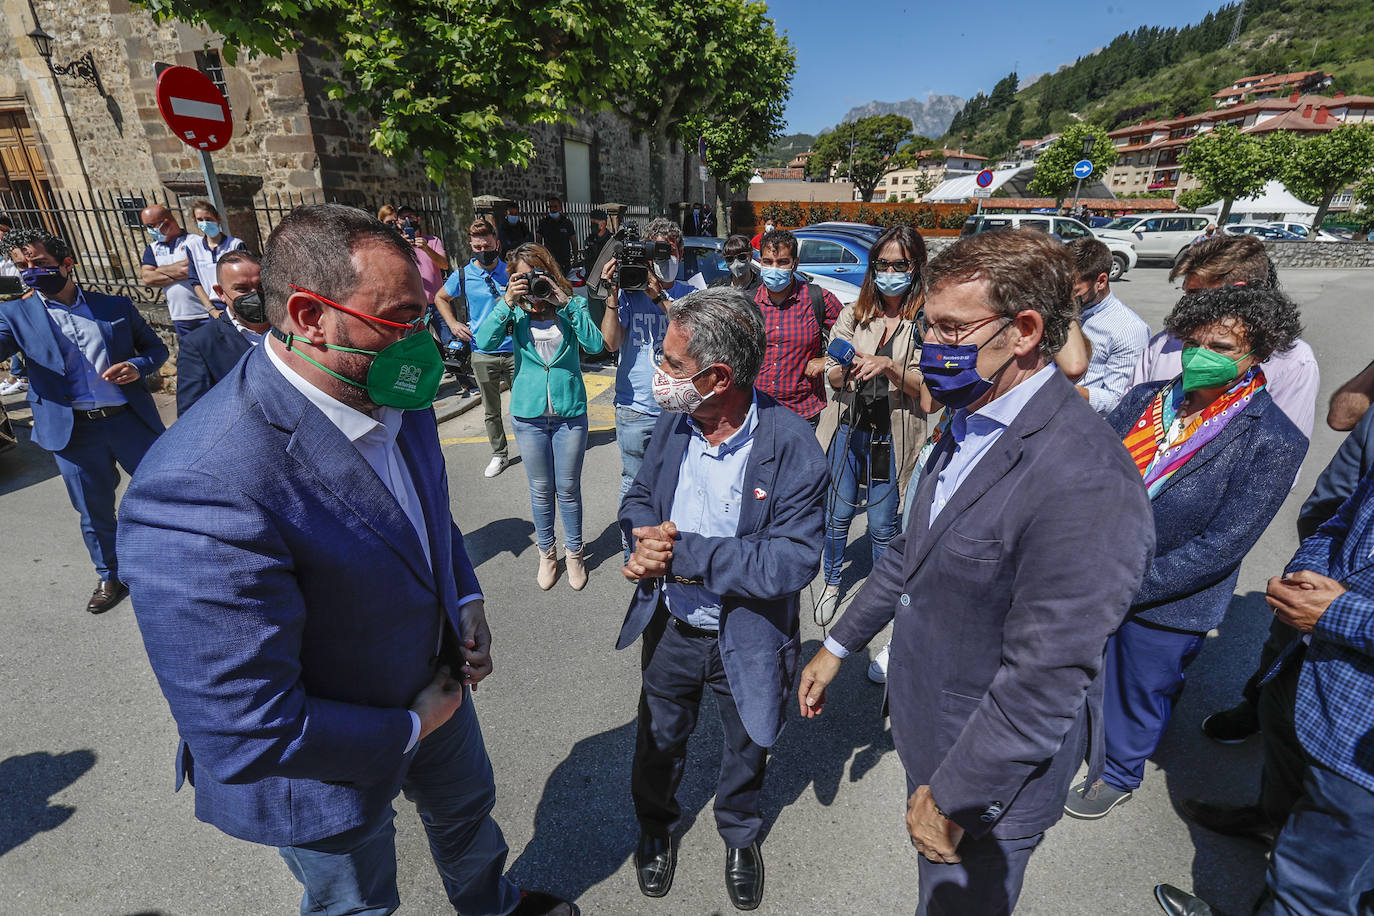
194,108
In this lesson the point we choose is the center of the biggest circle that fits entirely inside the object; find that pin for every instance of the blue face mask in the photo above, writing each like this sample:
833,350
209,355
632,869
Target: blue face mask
892,283
951,371
209,227
512,219
776,279
156,233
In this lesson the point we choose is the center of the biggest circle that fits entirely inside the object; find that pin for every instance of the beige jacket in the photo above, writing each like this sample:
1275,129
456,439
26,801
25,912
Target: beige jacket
908,422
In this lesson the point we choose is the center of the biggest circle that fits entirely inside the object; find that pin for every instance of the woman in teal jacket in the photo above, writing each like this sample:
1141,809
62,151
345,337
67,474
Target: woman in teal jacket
548,401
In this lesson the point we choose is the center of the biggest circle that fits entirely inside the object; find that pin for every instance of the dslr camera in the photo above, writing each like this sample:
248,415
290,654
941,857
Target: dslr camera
541,283
636,258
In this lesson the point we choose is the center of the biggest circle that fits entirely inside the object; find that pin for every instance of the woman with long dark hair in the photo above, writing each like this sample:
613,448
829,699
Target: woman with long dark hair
878,422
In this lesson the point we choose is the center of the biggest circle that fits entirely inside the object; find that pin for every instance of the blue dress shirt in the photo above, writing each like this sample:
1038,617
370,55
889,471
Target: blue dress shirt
975,433
707,501
84,354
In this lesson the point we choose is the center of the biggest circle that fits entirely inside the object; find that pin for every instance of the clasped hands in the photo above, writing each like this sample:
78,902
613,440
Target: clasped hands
1300,600
653,551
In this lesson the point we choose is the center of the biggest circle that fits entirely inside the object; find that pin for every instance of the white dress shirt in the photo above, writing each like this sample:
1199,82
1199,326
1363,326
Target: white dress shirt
375,440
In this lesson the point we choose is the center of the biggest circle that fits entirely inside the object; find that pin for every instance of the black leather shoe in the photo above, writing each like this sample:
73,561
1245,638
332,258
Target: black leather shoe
1232,820
1178,903
1232,726
744,876
538,903
655,861
106,596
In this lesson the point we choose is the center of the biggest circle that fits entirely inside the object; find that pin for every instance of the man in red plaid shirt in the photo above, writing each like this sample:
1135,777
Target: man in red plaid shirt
795,357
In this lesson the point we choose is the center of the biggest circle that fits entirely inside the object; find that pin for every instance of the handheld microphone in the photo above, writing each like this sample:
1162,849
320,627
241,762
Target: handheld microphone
841,351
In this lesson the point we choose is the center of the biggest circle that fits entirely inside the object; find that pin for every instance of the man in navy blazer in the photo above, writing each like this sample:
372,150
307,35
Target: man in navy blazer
726,515
1030,534
209,353
86,355
305,599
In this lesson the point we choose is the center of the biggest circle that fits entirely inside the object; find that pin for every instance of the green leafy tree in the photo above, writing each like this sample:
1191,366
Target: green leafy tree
1054,167
1319,166
861,149
1231,165
907,156
699,65
1195,198
1362,214
1015,123
455,83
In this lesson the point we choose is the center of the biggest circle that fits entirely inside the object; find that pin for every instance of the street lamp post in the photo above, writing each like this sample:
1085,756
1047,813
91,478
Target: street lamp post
1088,143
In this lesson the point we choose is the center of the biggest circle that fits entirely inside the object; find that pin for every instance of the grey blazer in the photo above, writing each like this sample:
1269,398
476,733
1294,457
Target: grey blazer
1002,612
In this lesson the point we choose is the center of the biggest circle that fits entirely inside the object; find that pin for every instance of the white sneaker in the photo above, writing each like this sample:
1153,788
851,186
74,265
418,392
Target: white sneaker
826,606
496,465
15,386
877,669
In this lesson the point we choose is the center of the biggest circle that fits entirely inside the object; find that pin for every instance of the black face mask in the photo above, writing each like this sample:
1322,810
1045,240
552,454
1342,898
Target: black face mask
249,308
486,258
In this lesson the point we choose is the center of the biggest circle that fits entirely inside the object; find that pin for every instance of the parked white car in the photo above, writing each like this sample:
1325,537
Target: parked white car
1161,237
1305,231
1066,228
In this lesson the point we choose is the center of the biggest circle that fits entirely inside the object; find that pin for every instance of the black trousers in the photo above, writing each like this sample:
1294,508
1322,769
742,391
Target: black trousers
677,667
1285,763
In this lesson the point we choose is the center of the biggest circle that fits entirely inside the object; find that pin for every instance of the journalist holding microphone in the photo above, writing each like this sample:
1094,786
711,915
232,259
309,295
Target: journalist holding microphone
548,403
876,419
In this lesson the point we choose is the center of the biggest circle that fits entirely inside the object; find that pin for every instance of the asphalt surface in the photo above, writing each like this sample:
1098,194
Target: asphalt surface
89,823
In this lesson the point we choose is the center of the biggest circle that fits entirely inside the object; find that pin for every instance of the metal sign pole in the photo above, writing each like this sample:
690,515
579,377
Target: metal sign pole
1077,188
212,185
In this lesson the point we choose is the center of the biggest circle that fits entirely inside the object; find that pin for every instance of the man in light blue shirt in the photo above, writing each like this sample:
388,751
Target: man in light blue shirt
476,287
636,329
1117,334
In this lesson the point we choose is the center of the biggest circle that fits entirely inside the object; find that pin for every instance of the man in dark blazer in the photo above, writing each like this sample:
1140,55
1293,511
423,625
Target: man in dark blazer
304,596
1030,534
726,516
86,355
209,353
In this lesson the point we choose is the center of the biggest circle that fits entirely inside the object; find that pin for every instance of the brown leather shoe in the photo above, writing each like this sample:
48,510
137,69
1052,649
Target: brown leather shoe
106,596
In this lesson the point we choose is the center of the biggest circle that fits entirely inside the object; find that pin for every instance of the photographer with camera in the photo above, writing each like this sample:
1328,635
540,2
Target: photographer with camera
643,295
875,425
548,399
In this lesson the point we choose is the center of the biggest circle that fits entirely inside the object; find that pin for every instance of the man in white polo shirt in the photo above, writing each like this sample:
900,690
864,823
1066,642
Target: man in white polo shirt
166,266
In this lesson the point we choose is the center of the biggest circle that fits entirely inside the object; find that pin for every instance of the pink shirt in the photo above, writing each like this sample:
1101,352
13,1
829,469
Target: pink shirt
430,274
1292,374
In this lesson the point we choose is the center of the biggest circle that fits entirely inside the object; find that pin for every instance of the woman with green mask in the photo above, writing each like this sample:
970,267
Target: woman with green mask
548,400
1217,458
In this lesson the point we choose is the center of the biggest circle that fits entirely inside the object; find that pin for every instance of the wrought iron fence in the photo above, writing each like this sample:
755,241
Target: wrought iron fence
532,211
103,230
272,206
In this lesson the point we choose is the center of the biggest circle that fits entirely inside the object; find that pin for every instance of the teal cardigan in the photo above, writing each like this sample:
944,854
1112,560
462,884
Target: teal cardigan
538,384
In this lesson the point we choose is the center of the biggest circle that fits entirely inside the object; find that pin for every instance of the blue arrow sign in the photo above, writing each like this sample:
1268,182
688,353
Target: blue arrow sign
1082,168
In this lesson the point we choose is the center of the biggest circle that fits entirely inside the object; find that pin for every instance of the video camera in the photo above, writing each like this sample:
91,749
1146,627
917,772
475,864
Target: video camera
636,257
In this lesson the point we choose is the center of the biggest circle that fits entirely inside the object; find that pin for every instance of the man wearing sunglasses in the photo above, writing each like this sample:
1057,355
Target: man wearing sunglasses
209,353
740,274
304,595
1006,585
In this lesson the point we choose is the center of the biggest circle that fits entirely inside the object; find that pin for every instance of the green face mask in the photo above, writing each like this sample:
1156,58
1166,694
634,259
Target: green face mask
1203,368
405,375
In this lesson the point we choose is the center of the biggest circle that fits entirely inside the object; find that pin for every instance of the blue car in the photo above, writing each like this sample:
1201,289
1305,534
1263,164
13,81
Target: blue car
836,254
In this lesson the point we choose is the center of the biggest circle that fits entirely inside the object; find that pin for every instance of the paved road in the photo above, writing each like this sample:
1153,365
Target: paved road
89,823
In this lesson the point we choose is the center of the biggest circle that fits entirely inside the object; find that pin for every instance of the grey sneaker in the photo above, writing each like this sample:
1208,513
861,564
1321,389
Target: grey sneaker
1089,802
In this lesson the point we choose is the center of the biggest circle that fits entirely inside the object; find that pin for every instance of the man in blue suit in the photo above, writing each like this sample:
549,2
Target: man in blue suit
726,515
1030,535
1323,859
209,353
304,595
86,355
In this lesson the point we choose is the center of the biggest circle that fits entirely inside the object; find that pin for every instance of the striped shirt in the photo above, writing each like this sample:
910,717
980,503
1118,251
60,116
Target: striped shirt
1118,336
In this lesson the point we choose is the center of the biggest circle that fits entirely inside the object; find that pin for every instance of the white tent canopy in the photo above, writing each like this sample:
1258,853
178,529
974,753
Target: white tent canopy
1274,201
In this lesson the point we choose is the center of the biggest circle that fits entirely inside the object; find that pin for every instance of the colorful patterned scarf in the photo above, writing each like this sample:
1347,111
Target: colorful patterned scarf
1146,440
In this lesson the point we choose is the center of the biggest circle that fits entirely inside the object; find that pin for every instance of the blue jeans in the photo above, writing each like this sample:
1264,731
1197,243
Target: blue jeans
849,451
451,785
17,366
633,430
551,448
186,327
88,468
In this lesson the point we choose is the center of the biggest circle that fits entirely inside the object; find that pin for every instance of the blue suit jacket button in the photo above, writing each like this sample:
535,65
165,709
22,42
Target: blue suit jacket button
906,600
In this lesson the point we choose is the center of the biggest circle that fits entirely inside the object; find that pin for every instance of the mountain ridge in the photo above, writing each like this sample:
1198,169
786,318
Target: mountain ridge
929,118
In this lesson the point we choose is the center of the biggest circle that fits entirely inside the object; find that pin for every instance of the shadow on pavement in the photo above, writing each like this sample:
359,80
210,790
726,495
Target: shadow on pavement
606,549
504,535
1228,872
585,827
27,781
25,465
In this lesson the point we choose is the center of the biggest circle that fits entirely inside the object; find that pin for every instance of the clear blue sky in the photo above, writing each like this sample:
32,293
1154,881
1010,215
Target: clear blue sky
854,51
